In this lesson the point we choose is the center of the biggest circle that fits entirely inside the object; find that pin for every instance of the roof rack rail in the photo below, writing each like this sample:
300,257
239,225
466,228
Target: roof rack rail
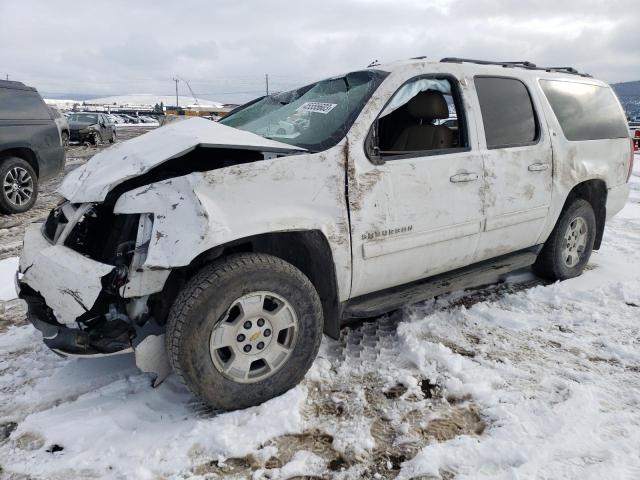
563,69
522,64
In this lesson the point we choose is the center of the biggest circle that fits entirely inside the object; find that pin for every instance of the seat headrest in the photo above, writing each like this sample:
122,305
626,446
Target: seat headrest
428,105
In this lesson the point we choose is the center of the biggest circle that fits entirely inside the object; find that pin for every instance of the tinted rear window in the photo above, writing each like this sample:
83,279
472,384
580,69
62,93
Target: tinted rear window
507,112
585,112
18,104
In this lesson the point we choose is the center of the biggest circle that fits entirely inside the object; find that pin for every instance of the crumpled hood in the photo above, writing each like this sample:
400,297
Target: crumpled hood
109,168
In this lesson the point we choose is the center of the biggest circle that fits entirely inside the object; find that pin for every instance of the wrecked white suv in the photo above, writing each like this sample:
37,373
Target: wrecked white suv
229,247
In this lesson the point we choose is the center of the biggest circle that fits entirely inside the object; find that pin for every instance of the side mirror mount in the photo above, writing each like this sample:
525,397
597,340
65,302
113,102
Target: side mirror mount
372,146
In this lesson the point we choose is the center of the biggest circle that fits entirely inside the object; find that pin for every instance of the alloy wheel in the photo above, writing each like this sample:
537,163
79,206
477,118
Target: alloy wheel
575,241
255,338
18,186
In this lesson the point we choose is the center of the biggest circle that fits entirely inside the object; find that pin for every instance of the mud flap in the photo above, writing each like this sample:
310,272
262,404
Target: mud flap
151,357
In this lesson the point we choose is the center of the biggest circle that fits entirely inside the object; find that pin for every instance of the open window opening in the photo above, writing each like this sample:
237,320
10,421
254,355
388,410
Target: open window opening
424,117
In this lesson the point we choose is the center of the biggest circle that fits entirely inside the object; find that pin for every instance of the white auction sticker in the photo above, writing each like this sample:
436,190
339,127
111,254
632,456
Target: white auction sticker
317,107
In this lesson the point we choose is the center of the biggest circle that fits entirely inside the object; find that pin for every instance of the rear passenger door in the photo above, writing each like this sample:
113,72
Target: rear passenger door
517,159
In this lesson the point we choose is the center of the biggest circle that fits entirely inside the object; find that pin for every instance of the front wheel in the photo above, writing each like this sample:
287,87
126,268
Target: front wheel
113,137
568,249
245,329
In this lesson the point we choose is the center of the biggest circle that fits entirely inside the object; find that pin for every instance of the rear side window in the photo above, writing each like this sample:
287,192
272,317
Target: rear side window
507,112
585,112
16,104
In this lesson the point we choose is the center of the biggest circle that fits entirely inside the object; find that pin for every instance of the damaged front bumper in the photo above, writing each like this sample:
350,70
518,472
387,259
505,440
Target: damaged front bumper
83,135
69,341
72,301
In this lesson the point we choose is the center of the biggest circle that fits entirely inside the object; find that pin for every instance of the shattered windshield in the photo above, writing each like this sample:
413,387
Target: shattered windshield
84,118
314,117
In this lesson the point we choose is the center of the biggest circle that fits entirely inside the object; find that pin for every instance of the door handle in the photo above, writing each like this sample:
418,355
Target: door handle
464,177
538,167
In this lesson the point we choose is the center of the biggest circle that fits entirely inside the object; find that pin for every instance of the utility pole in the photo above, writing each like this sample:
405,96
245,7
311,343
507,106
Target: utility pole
7,77
266,82
175,79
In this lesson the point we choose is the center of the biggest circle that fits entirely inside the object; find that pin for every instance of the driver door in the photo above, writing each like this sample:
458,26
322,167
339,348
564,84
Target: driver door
415,212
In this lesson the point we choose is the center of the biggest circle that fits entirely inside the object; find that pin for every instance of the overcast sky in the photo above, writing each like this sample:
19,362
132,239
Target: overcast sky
224,48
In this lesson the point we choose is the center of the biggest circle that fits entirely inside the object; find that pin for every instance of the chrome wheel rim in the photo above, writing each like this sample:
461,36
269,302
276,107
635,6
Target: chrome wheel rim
255,338
18,186
575,241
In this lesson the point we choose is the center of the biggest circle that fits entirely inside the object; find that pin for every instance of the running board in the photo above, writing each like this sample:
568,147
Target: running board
483,273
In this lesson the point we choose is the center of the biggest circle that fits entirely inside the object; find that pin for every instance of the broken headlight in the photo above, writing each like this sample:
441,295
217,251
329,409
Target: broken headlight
104,236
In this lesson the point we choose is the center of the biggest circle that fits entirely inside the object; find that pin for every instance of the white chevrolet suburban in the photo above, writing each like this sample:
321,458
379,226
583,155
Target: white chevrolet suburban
224,250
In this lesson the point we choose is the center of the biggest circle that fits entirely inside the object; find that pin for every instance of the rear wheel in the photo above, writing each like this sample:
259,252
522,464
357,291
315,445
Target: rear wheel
245,329
19,185
568,249
65,139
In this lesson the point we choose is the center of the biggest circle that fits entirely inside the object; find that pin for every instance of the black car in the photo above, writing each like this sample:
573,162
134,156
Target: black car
30,146
91,127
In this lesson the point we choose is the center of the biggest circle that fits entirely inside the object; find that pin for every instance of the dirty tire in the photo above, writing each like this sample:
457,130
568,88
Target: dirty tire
113,137
65,139
205,300
9,165
550,263
97,139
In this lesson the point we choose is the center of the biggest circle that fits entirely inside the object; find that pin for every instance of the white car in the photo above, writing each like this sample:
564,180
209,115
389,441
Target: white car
223,255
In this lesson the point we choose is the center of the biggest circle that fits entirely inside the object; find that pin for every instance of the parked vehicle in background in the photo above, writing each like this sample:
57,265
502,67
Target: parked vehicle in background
238,245
634,129
30,146
129,118
62,124
113,118
145,119
91,127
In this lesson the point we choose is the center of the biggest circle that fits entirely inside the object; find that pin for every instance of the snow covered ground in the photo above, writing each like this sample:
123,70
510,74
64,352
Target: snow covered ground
520,380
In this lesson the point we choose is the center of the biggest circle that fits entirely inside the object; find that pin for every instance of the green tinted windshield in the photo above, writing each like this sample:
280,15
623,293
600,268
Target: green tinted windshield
314,117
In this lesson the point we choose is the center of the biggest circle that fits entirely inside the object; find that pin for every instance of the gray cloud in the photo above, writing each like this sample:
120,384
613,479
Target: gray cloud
225,48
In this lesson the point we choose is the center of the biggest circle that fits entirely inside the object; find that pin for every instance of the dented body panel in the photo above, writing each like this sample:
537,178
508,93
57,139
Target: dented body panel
69,281
199,211
109,168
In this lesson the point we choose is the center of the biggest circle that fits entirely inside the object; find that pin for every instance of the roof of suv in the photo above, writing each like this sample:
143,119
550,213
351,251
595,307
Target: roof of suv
14,85
520,68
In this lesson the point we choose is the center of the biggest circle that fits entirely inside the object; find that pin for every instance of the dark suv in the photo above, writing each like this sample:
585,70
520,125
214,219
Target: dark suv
91,127
30,146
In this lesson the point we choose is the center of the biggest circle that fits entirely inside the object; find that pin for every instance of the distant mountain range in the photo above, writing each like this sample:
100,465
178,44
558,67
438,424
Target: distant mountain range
629,95
627,88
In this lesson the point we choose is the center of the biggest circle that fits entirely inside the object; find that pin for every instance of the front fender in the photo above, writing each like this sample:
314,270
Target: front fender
199,211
